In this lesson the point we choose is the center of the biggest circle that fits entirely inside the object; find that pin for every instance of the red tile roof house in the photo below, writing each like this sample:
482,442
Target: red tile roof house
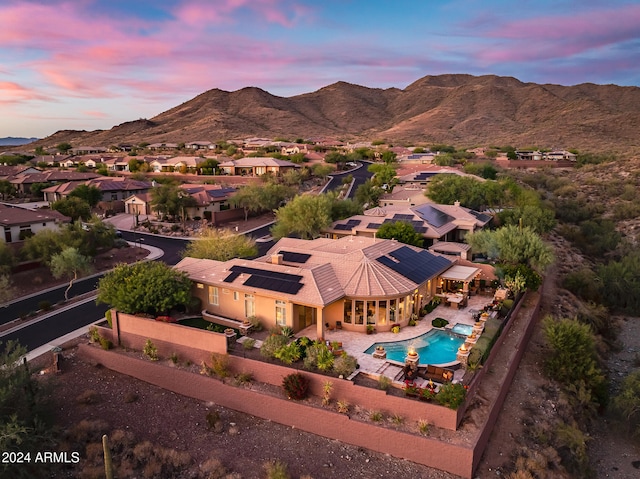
177,163
113,188
20,223
351,282
23,182
209,199
257,166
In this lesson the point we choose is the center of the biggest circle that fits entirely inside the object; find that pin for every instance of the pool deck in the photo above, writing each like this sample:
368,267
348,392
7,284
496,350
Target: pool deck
355,344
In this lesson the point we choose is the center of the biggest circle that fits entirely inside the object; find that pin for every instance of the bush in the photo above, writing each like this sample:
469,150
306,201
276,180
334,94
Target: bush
108,316
105,343
150,350
289,353
44,305
318,356
296,386
276,469
220,364
451,395
439,323
249,343
344,365
94,334
272,344
627,403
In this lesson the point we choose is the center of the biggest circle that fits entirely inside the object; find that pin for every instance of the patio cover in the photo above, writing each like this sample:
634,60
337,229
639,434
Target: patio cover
465,274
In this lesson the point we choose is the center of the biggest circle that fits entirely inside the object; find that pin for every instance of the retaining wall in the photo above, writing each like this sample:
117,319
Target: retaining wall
452,458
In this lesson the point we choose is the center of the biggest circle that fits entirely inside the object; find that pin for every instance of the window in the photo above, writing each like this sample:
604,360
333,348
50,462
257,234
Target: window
249,305
213,295
359,312
371,312
382,312
281,313
235,296
347,311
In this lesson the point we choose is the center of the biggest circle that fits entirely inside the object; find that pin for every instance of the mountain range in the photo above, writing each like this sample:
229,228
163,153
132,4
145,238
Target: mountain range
462,110
16,141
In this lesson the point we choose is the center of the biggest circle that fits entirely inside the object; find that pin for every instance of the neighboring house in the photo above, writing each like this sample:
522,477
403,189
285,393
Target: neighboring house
423,176
120,163
434,222
288,148
529,155
409,195
23,182
69,162
7,172
112,188
416,158
163,146
257,166
197,145
557,155
21,223
177,163
255,144
209,199
138,204
353,283
49,160
88,150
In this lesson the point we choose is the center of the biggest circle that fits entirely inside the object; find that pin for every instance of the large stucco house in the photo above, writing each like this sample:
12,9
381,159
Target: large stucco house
351,282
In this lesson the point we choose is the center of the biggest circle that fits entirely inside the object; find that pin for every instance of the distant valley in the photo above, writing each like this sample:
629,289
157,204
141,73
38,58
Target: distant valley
11,141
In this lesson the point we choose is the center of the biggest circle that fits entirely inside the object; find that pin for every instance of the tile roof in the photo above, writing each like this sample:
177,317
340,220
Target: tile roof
14,216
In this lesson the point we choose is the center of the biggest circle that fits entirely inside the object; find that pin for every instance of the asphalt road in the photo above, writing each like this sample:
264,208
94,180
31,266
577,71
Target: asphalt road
360,175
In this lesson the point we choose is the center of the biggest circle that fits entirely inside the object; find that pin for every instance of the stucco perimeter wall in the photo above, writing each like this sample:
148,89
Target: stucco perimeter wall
188,343
343,390
422,450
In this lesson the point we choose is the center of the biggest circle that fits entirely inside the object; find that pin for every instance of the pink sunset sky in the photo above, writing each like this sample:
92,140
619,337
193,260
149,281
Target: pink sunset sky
90,64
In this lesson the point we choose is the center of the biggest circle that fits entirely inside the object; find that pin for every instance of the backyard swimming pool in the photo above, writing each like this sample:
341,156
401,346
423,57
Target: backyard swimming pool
435,347
462,328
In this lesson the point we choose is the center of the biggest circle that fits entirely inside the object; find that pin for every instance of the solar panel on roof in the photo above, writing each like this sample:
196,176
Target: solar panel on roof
292,257
265,279
342,227
354,222
400,217
416,266
374,226
432,215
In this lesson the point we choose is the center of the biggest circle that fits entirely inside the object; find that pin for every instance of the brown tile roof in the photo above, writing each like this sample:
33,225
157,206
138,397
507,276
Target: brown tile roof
14,216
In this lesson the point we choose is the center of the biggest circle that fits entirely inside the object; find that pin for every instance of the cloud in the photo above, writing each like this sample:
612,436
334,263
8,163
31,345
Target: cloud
550,37
13,93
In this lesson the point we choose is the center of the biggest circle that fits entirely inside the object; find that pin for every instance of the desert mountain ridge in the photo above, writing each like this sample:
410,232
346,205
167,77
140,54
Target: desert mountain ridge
458,109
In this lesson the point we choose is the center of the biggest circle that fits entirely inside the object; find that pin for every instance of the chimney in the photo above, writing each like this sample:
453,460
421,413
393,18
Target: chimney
456,203
276,259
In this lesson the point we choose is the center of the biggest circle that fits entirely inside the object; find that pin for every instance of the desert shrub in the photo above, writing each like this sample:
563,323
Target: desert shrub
584,283
88,396
384,382
397,419
433,304
451,395
439,323
150,350
286,331
105,343
244,377
44,305
87,431
276,469
296,386
130,397
255,323
571,444
220,364
289,353
249,343
532,280
327,387
272,344
343,407
174,358
318,356
627,403
572,356
376,416
214,422
94,334
423,427
344,365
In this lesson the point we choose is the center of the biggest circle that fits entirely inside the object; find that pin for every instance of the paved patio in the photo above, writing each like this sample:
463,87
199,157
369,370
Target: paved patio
355,344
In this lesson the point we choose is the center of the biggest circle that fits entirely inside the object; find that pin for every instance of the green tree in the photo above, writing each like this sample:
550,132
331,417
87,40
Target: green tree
258,198
221,245
538,218
512,245
7,190
7,291
336,158
69,263
305,216
388,156
89,193
134,165
150,287
7,258
469,191
341,209
383,174
63,147
36,189
620,283
208,167
321,170
572,359
401,231
166,200
368,194
73,207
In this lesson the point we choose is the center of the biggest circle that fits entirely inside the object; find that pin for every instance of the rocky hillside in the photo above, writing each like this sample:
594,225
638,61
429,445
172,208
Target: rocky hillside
463,110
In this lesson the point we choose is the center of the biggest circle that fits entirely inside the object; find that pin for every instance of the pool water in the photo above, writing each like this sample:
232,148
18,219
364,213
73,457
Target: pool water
462,328
435,347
